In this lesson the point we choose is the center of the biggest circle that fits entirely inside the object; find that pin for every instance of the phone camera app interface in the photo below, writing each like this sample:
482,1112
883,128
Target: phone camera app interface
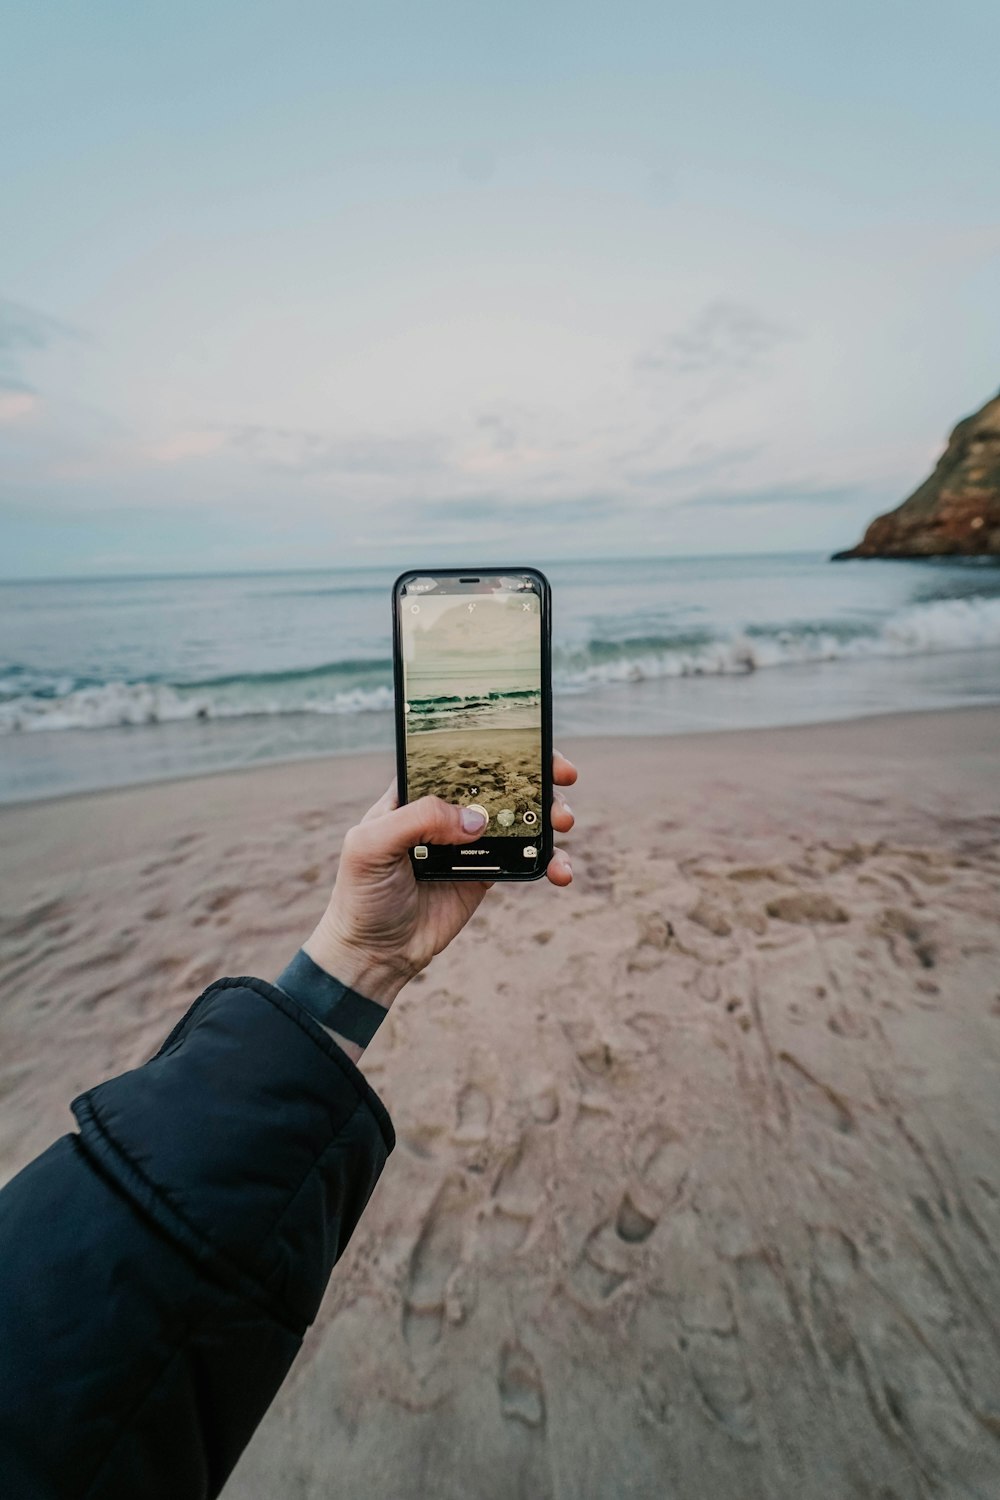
472,704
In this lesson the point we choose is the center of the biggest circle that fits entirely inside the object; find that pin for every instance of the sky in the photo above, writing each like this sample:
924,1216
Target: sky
322,284
471,645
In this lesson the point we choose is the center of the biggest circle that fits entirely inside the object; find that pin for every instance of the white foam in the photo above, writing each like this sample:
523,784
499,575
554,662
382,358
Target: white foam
122,703
921,630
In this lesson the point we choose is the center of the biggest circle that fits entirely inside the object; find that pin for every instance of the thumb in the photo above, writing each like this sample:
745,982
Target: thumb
429,820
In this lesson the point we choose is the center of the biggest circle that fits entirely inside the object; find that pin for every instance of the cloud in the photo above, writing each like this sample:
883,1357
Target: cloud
725,336
512,445
501,431
17,404
25,328
783,494
303,452
712,461
289,451
473,509
185,445
24,332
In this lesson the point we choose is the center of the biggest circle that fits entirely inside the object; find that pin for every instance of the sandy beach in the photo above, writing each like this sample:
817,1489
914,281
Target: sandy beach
697,1189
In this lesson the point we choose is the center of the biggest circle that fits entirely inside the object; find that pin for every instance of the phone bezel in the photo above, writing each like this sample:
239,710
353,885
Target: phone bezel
545,594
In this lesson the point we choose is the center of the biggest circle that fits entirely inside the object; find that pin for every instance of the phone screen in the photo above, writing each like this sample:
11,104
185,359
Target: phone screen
471,659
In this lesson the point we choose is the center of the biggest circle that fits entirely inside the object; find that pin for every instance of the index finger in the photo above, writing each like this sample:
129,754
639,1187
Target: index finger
388,802
564,772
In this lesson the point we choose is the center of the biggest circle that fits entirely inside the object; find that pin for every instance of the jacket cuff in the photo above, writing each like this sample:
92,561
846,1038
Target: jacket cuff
250,1138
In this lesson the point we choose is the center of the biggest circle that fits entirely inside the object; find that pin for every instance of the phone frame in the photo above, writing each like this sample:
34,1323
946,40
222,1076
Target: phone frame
545,836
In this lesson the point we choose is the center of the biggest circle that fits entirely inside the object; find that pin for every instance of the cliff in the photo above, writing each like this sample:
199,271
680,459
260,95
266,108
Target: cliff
956,511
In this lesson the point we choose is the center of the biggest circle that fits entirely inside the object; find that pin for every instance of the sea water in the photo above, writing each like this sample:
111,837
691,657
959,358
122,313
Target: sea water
106,682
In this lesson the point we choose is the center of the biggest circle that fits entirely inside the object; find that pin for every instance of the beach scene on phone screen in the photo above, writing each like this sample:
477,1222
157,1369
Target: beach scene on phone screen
472,703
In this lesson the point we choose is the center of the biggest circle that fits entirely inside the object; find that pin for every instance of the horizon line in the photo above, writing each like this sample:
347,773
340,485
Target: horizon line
390,567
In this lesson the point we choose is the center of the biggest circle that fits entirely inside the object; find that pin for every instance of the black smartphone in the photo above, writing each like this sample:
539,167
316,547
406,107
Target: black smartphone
473,677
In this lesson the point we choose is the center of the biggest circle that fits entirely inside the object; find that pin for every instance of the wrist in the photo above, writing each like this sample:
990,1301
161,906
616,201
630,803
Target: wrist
369,975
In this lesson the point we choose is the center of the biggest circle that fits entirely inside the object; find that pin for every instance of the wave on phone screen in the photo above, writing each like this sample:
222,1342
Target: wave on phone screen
472,670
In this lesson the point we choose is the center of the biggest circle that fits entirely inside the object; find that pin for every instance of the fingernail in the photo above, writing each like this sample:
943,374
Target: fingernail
567,807
472,821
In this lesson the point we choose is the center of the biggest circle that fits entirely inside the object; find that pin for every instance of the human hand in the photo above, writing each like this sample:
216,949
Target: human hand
382,925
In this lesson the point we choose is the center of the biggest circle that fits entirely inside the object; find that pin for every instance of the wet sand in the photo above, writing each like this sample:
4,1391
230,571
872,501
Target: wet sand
697,1189
501,764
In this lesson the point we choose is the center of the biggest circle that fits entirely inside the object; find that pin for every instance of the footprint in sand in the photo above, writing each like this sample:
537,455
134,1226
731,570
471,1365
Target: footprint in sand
473,1113
898,1365
603,1266
422,1137
834,1264
707,985
220,898
807,908
711,1344
20,924
184,840
709,915
593,1118
924,1288
661,1164
747,874
592,1051
934,1418
631,1224
661,1170
517,1195
163,864
522,1395
201,976
908,939
527,1473
434,1258
597,876
655,1331
544,1102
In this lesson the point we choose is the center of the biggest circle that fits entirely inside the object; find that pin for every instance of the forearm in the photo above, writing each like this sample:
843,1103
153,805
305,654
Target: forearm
161,1268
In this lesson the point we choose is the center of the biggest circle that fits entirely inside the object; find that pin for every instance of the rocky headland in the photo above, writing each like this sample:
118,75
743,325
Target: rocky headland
956,511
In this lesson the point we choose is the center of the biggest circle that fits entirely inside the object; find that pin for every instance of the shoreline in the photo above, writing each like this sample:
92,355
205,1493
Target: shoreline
126,818
367,754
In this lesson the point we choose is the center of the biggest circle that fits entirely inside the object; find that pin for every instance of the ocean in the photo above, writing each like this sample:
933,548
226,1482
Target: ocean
108,682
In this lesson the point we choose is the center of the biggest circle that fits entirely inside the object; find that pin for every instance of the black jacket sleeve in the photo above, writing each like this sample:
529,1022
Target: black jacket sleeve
158,1270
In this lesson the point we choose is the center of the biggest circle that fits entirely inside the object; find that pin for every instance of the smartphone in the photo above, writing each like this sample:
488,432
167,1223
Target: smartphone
473,678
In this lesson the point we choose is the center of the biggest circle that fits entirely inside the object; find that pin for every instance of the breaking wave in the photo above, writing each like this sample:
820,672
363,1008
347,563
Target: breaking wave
33,700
